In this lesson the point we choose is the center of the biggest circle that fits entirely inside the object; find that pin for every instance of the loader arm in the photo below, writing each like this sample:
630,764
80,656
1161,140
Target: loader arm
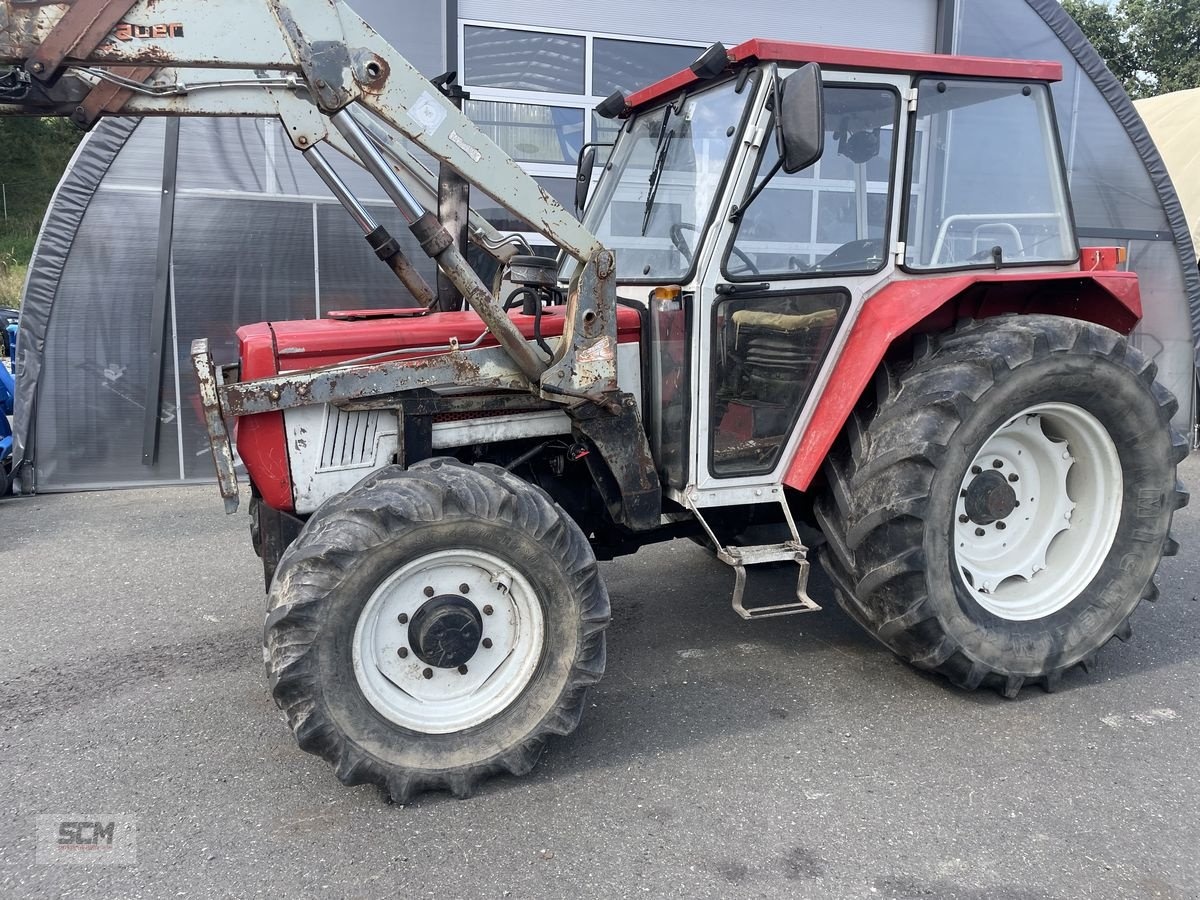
334,58
324,73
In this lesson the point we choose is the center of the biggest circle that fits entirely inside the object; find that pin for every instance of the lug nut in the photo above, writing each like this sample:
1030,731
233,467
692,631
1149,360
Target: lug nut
428,673
964,518
402,653
975,470
462,670
429,591
1014,477
464,588
979,532
487,610
997,464
402,618
1001,525
487,643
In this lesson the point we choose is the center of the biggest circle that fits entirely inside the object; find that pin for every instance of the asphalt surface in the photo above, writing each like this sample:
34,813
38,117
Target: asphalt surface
784,758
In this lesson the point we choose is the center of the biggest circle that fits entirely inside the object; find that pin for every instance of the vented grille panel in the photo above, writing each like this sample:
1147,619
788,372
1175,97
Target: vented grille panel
350,437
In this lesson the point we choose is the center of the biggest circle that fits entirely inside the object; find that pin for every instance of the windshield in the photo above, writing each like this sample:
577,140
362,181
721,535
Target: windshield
657,193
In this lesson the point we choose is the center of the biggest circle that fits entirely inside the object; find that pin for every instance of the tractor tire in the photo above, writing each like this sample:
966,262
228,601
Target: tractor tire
998,508
433,626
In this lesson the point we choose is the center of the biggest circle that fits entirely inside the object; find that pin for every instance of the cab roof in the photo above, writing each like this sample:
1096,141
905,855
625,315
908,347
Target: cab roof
856,59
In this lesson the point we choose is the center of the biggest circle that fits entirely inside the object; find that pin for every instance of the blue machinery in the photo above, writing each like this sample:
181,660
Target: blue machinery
7,393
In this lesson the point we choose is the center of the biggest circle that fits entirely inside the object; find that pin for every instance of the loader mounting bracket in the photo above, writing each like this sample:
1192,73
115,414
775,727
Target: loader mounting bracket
622,467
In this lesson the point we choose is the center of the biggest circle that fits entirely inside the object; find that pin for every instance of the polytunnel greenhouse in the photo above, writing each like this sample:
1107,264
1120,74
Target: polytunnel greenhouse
163,231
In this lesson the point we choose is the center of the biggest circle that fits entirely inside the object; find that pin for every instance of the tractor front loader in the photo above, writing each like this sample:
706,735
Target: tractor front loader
821,298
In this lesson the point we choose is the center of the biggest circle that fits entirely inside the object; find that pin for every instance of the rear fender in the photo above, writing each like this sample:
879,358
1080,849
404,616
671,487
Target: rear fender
902,309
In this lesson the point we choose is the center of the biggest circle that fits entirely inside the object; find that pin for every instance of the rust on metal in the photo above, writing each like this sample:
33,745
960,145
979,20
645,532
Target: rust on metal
412,279
108,97
471,404
372,72
622,467
214,424
585,363
486,368
80,31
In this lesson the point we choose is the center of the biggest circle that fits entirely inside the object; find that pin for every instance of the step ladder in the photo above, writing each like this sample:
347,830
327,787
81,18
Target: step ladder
739,558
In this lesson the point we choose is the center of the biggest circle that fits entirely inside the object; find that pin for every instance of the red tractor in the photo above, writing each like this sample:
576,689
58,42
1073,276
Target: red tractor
821,298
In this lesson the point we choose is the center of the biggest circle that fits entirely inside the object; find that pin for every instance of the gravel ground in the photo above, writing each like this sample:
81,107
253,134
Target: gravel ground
791,757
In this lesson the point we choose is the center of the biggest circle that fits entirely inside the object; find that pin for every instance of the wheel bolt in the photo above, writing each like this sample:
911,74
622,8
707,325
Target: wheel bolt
402,653
1001,525
975,470
979,532
1014,477
429,592
487,610
464,588
964,518
487,643
997,464
402,618
428,673
462,670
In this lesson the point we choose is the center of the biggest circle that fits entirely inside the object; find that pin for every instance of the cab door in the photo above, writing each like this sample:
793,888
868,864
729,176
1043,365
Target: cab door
785,279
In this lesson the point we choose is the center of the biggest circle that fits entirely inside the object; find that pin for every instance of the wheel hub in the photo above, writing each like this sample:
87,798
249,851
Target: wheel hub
448,641
445,632
990,498
1037,511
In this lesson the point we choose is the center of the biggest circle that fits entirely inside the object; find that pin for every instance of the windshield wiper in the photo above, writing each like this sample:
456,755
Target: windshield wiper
660,161
655,178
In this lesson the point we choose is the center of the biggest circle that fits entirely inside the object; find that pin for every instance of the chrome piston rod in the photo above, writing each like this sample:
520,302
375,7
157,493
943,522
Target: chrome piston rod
377,236
439,245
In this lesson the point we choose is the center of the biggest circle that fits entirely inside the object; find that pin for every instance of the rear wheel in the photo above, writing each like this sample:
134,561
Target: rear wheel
433,626
997,511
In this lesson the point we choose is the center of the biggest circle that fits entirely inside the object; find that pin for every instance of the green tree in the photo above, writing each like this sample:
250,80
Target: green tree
1165,37
33,155
1152,46
1103,28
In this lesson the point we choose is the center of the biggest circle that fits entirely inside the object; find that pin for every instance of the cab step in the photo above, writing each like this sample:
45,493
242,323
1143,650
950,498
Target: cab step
739,557
789,551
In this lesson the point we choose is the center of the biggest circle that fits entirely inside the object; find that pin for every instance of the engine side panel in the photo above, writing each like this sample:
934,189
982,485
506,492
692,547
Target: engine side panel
315,452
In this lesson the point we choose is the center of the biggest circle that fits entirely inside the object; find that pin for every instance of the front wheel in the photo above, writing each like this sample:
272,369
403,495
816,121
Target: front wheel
432,626
998,510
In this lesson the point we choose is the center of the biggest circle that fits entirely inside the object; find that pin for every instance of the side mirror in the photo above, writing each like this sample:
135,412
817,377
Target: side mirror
583,177
800,119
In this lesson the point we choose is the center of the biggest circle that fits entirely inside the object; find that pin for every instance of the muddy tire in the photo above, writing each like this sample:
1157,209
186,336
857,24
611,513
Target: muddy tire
433,626
999,506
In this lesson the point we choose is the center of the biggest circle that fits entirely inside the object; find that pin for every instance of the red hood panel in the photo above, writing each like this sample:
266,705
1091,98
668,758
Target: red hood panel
308,343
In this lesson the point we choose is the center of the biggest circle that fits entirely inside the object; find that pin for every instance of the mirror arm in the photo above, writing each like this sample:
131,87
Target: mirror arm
736,214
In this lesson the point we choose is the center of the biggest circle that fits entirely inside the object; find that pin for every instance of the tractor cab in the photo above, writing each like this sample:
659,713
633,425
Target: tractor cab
757,200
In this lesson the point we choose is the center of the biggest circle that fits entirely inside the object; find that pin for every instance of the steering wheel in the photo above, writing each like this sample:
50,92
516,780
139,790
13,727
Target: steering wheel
676,235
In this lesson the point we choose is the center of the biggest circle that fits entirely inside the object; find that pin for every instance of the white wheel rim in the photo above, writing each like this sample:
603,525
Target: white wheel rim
416,695
1066,479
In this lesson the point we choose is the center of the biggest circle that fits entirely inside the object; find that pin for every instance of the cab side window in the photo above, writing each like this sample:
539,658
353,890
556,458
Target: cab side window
832,216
